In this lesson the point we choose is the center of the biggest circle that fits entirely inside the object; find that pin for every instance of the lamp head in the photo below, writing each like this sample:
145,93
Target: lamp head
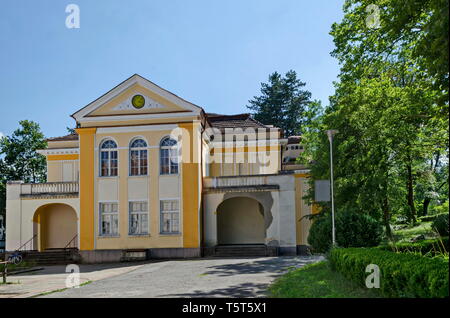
331,133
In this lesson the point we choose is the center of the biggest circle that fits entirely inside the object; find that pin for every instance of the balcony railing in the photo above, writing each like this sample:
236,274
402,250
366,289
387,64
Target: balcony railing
240,184
244,181
50,188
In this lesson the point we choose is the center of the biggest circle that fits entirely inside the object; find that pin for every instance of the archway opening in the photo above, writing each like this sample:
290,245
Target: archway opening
55,226
240,220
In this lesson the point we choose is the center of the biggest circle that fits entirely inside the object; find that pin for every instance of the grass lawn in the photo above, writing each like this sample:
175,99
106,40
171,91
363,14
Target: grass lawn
317,281
422,228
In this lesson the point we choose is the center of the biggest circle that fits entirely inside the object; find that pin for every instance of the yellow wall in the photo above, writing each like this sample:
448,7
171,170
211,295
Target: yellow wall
123,188
86,191
191,188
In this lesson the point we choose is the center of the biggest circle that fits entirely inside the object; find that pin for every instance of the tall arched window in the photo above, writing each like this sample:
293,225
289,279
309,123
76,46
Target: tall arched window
108,158
138,158
168,156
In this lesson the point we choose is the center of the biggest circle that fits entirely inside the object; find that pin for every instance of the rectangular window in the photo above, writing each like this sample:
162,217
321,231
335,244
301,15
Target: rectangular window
138,162
109,219
138,218
170,217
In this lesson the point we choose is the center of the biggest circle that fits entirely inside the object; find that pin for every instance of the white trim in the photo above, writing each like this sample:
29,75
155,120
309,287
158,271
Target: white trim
137,116
58,151
242,143
126,129
169,199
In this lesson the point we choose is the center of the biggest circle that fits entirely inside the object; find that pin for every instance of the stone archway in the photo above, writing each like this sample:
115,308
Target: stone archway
240,220
56,225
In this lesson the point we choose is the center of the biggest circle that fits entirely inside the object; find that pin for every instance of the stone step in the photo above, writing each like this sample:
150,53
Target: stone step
241,250
52,257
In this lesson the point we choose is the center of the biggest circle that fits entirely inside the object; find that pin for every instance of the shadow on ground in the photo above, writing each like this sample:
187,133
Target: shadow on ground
274,266
244,290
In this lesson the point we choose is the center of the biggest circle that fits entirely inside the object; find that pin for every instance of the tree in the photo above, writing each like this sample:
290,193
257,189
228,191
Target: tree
283,103
19,159
388,109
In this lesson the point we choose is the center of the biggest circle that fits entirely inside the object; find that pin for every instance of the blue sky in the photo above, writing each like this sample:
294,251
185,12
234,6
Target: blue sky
212,53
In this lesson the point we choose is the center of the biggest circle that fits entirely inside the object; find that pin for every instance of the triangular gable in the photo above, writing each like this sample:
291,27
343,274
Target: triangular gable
118,101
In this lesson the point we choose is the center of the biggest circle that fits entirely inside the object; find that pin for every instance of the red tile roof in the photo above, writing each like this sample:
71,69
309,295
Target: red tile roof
234,121
70,137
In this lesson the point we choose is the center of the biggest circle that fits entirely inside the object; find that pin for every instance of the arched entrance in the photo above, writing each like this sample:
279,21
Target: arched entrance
240,220
55,225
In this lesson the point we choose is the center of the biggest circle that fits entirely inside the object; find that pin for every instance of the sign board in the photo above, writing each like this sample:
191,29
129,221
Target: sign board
322,191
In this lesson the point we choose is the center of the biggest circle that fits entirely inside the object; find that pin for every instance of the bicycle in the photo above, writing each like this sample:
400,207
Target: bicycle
15,258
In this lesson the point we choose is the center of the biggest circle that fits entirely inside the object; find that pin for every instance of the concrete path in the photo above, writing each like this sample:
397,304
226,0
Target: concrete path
243,277
52,278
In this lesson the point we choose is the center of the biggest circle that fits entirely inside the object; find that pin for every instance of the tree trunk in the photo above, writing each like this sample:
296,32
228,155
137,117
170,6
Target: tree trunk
410,186
386,219
426,203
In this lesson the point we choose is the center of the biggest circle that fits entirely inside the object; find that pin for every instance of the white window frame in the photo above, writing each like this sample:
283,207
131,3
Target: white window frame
171,150
138,213
109,151
111,213
172,212
138,149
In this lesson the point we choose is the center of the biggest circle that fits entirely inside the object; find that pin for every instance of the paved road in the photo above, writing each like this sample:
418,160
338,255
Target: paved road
54,277
247,277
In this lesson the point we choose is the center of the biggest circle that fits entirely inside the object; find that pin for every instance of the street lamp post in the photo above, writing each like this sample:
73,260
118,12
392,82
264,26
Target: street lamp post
331,134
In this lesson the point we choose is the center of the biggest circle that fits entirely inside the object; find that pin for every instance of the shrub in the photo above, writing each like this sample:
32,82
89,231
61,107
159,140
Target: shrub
357,230
425,247
320,234
401,275
440,224
352,230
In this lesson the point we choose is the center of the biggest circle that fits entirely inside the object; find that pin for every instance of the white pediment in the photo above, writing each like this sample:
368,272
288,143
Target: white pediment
149,103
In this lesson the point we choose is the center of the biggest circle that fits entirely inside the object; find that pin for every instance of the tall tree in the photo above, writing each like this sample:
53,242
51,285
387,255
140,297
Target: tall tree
19,159
387,107
284,103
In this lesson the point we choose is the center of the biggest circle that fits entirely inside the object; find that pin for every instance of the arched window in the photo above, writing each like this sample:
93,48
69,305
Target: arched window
168,156
108,158
138,158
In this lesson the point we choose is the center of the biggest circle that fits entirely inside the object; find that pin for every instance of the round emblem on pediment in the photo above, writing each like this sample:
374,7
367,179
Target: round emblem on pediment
138,101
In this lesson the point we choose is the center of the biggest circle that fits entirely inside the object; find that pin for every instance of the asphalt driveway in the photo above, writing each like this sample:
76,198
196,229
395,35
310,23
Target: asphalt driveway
242,277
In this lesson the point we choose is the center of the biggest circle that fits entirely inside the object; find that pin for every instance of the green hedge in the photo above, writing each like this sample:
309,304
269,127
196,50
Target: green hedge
425,247
402,275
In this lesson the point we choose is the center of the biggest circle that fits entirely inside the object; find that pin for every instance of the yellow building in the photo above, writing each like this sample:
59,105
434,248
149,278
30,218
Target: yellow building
147,171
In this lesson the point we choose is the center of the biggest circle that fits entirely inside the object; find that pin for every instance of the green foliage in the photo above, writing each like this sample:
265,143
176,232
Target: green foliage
389,154
441,224
431,217
411,232
402,274
317,281
426,247
352,230
284,103
319,237
440,209
357,230
19,159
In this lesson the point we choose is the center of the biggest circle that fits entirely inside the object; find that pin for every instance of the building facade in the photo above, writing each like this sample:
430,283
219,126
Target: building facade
149,171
